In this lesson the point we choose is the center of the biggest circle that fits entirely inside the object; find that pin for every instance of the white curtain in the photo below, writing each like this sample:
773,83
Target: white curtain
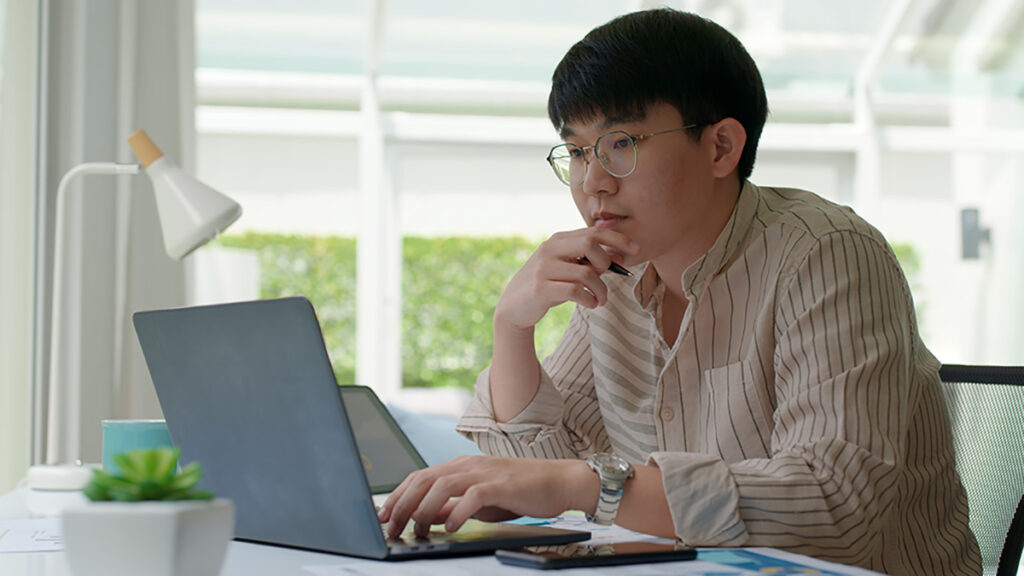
18,64
113,66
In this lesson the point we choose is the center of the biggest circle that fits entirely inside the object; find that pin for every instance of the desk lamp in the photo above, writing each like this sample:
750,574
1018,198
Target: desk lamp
191,214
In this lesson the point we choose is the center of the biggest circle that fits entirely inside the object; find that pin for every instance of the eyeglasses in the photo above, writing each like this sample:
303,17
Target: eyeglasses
616,151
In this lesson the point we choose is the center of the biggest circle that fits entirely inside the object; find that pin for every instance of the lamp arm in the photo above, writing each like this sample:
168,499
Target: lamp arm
50,396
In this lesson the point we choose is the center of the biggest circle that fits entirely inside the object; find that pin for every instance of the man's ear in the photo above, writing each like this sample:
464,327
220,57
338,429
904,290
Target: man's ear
727,138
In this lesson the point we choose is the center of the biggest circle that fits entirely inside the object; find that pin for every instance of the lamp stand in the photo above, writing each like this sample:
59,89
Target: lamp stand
58,419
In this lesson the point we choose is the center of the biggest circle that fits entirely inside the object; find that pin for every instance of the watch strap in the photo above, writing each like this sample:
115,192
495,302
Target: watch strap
607,503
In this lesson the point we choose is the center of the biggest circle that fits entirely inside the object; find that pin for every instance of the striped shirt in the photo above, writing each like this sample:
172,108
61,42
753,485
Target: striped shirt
798,407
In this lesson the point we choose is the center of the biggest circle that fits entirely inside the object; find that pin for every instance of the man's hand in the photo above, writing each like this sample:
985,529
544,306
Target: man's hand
566,267
488,488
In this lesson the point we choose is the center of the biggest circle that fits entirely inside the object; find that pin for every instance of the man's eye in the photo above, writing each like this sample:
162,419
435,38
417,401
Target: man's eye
622,143
576,153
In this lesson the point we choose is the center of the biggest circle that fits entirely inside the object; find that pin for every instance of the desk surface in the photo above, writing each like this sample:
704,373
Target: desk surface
254,559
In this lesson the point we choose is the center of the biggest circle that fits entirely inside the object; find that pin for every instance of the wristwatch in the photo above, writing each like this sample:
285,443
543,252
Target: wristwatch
613,471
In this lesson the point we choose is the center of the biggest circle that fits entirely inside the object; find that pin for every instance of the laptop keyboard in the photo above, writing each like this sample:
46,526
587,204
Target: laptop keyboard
472,530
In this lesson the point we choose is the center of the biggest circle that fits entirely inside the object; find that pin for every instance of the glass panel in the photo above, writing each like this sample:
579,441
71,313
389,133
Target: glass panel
474,195
265,139
808,48
471,214
959,48
313,36
502,41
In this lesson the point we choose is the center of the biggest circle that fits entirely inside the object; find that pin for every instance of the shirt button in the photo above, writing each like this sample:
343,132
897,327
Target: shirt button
667,414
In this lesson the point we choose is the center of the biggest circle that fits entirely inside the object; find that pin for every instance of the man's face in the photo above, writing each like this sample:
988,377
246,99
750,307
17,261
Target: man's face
662,205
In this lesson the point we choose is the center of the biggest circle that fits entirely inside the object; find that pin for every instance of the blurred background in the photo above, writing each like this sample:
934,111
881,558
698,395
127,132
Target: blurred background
910,112
389,158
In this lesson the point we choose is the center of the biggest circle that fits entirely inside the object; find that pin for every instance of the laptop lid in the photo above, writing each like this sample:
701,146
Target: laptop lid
248,390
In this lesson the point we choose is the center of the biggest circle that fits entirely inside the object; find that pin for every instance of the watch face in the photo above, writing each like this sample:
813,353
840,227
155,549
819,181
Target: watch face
612,465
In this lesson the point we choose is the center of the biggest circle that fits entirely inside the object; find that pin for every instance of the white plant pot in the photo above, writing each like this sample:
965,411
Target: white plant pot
153,538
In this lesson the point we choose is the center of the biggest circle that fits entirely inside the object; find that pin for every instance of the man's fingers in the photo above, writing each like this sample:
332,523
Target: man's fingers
477,497
384,514
416,485
408,498
440,494
577,283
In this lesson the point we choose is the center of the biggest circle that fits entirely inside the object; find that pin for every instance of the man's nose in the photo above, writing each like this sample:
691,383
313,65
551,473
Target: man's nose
597,180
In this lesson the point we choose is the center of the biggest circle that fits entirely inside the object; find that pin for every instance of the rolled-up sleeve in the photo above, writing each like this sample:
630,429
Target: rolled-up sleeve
563,420
703,498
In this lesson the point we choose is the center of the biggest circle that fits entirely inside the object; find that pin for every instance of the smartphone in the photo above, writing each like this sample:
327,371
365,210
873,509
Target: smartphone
578,555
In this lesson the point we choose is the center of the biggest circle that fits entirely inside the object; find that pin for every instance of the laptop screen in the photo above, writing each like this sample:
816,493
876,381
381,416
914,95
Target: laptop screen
387,455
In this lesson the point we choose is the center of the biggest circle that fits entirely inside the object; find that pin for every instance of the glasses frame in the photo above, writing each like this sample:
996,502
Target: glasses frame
602,159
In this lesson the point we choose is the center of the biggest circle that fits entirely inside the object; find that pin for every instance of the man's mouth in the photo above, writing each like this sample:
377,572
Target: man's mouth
607,219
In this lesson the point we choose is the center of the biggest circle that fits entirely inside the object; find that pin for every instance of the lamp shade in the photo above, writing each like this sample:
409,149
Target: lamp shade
191,213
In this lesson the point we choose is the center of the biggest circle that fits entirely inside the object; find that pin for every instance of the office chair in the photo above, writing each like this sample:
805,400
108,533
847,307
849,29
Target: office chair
986,408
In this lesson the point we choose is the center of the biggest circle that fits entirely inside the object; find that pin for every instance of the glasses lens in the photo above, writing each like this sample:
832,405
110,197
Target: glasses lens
567,162
617,153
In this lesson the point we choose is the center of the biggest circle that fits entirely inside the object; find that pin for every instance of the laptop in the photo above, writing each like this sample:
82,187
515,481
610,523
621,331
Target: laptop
387,454
248,390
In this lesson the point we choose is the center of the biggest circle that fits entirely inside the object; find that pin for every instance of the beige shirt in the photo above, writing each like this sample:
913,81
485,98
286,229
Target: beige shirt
798,408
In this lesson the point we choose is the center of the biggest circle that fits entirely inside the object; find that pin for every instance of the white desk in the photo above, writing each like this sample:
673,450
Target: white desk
242,559
246,559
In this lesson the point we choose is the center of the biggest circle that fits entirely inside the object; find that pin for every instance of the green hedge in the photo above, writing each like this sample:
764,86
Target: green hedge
450,286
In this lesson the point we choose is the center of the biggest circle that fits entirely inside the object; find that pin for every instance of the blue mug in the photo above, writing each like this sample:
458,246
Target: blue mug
120,436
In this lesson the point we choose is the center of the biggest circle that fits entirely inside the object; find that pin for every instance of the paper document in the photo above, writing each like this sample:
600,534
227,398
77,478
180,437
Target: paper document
776,562
31,535
603,534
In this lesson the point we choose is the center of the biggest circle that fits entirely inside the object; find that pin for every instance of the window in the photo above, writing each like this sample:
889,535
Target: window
392,162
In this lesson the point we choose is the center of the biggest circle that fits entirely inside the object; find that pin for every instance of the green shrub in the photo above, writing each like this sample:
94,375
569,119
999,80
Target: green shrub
910,261
321,268
450,286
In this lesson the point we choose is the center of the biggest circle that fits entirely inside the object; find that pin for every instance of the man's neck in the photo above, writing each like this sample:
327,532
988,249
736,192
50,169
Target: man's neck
670,266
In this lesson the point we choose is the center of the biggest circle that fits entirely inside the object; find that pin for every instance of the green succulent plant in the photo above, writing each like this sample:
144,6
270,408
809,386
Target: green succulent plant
150,474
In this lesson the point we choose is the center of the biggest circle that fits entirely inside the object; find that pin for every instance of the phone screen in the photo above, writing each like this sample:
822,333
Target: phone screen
575,555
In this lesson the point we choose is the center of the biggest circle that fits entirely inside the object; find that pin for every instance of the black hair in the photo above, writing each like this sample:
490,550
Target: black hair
661,55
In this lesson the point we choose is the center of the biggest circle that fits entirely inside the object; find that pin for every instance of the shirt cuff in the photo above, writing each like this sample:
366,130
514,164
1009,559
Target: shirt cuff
543,411
702,498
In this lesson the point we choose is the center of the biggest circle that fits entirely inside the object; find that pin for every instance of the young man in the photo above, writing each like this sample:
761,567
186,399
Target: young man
759,382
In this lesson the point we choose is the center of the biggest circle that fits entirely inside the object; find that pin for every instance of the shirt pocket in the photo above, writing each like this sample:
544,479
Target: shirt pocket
737,412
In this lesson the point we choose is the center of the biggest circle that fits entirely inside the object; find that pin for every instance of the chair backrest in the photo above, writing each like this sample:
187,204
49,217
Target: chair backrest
986,407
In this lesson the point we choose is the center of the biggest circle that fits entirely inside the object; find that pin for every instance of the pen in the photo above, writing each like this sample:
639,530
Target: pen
618,269
614,267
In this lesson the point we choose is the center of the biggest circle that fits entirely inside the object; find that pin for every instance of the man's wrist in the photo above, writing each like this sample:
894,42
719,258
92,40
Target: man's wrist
505,327
586,488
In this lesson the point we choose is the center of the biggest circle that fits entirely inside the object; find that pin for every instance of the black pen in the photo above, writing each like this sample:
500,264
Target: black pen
618,269
614,267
